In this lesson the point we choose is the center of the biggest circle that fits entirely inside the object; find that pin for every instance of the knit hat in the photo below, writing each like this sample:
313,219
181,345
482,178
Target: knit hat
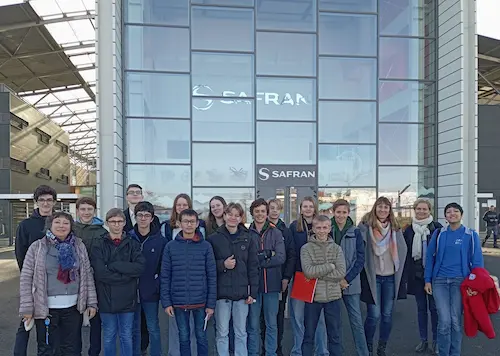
455,206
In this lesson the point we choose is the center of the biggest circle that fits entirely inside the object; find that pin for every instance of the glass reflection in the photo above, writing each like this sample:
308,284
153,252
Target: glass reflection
296,143
349,5
202,196
222,29
286,99
347,122
346,165
158,141
407,17
223,164
296,15
157,48
347,34
347,78
406,144
360,199
224,2
291,54
157,95
171,12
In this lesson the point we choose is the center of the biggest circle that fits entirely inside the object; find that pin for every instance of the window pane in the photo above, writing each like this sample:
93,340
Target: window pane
243,196
406,58
347,78
157,95
347,122
222,74
296,15
152,179
406,144
286,54
223,120
349,5
157,48
172,12
360,199
407,17
223,164
342,34
286,99
347,166
222,29
407,102
286,143
158,141
224,2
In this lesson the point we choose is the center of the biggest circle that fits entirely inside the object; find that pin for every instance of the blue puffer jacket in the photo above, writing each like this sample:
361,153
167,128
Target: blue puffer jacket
300,239
188,273
152,249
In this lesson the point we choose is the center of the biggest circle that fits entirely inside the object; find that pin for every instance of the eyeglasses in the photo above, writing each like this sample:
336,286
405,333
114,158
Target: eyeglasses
45,201
188,222
134,192
143,216
115,222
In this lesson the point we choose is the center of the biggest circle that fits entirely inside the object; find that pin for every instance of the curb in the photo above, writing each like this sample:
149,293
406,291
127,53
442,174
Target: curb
6,249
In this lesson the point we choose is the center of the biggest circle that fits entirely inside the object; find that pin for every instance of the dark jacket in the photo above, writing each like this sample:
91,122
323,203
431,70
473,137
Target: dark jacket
152,246
188,273
414,270
272,255
128,221
116,272
28,231
288,268
167,231
233,284
89,232
210,228
300,239
491,218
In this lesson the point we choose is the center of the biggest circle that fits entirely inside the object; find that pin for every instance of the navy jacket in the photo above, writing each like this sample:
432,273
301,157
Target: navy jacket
188,273
152,247
166,229
128,221
288,268
300,239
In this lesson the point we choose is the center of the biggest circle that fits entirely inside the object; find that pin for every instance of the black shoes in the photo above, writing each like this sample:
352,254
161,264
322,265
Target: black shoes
433,350
370,349
381,348
422,347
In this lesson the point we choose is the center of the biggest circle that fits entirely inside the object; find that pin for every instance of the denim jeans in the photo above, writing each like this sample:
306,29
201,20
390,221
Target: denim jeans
173,337
150,310
352,304
113,325
238,310
425,303
22,339
281,323
297,317
333,320
136,332
381,310
183,316
269,302
95,335
446,292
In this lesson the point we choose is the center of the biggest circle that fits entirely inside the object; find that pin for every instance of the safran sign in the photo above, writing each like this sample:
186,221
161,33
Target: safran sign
277,175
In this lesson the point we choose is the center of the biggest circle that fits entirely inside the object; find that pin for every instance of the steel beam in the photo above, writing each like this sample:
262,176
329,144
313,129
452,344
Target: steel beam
78,123
38,23
77,112
52,91
63,103
488,58
48,74
59,50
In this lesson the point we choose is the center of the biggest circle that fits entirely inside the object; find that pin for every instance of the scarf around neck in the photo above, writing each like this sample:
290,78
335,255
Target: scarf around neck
419,245
384,239
66,257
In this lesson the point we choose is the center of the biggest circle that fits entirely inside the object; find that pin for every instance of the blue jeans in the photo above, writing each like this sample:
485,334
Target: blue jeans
117,324
425,303
297,317
446,292
270,303
182,317
173,337
352,304
150,310
383,307
333,319
239,312
136,332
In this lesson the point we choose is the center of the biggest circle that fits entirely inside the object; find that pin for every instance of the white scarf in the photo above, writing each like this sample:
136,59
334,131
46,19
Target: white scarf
421,229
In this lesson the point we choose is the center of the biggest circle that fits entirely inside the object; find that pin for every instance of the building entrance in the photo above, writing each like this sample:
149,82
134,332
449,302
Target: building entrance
290,197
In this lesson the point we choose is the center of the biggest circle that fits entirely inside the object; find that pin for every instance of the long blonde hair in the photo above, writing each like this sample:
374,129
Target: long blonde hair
300,220
371,219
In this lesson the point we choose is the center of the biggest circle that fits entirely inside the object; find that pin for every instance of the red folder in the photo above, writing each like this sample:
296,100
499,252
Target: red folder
303,288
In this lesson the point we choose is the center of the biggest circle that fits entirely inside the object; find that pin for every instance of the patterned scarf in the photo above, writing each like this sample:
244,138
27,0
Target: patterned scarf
382,240
67,258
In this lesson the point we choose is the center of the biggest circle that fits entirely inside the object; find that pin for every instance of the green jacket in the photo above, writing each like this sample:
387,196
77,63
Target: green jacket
89,232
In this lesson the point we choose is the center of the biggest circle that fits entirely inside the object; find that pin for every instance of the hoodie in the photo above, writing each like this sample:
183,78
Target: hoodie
28,231
89,232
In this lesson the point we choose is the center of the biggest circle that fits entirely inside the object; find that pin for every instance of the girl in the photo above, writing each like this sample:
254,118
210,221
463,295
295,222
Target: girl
216,207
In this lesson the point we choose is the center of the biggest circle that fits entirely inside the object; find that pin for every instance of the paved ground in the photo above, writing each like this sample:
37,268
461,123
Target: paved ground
403,339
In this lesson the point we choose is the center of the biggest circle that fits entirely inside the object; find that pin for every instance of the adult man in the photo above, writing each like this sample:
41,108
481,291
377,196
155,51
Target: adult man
491,219
28,231
88,227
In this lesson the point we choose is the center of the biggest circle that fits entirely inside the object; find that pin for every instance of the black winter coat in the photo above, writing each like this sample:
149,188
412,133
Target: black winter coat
288,268
28,231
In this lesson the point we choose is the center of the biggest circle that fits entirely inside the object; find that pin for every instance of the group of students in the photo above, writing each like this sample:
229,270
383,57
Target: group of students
76,273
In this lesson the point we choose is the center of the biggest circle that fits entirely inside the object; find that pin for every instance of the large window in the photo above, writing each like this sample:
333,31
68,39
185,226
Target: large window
244,196
296,15
172,12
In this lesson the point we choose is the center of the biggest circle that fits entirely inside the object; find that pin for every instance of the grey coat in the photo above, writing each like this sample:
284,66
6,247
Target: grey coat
354,251
368,276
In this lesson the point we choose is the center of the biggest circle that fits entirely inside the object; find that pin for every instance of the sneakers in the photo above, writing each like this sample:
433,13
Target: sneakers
433,350
422,347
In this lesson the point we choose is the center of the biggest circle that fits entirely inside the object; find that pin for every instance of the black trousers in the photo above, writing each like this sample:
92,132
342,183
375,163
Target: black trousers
144,332
64,333
281,324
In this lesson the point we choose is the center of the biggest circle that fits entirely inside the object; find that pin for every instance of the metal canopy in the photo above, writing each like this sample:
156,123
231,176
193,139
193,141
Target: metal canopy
47,56
488,70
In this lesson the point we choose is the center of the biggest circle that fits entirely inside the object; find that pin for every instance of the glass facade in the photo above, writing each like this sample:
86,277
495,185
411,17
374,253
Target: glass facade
215,89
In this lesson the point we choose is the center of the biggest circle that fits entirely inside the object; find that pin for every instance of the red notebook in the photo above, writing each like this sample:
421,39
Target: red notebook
303,288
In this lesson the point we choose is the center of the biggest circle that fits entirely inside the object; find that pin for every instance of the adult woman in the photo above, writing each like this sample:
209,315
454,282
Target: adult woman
417,237
216,207
57,288
300,229
385,254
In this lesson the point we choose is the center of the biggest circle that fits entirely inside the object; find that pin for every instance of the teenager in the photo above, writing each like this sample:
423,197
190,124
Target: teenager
118,263
491,219
381,278
188,283
29,231
323,260
216,207
453,252
299,230
350,240
417,237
